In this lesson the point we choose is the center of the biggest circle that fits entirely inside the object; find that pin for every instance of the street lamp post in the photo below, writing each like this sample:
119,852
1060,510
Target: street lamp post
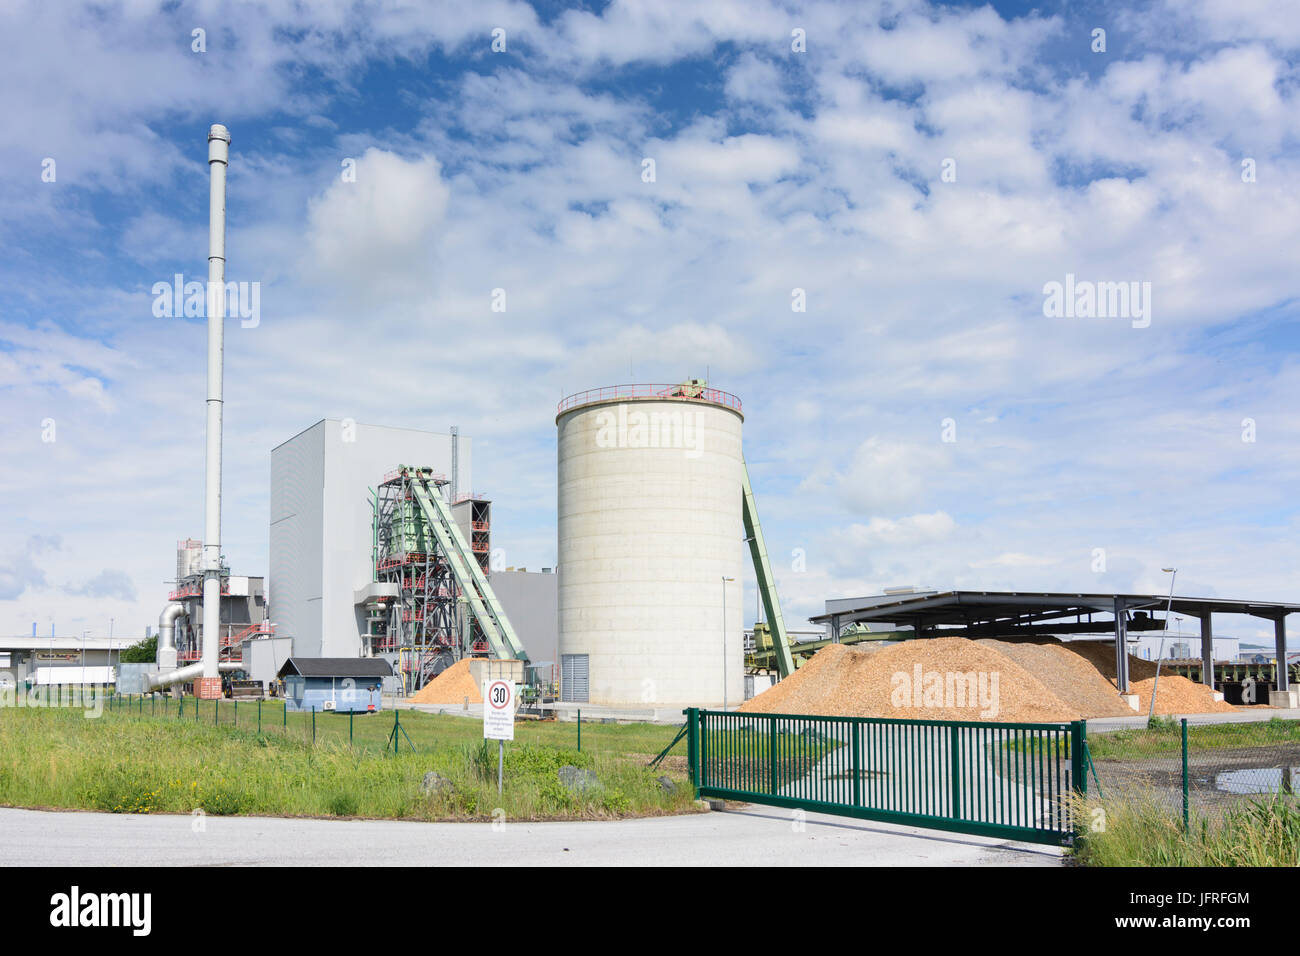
1155,684
725,579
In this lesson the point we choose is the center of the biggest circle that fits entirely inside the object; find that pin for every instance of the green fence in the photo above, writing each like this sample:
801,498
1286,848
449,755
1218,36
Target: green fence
1199,769
374,730
992,779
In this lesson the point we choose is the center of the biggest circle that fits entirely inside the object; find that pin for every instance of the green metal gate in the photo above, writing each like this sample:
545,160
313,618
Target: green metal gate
991,779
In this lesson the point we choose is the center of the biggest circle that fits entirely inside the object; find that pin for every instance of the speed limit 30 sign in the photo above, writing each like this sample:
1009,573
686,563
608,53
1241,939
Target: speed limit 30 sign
499,710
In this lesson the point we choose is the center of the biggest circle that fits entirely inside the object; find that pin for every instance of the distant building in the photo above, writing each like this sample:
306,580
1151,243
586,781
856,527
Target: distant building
21,657
1187,647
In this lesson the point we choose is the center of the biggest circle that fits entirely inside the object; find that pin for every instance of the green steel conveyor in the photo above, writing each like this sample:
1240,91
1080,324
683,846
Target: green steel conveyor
487,609
766,584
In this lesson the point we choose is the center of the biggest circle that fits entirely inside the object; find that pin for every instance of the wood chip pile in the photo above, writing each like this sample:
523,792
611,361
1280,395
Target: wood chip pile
882,683
1071,677
1044,681
452,686
1177,695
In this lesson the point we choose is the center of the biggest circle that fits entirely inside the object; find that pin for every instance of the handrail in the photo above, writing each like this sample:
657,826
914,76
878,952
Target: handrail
714,396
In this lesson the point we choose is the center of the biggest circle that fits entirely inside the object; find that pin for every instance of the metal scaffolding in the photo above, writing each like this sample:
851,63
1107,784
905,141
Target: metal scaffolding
421,621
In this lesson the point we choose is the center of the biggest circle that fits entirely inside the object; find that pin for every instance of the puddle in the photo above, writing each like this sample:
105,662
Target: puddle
1256,780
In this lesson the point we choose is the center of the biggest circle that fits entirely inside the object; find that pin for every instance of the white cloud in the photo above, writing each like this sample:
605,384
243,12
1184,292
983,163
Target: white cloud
380,227
775,171
1015,559
886,475
903,532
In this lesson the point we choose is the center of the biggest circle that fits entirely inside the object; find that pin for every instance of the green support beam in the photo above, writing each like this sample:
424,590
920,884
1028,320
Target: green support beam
766,584
487,609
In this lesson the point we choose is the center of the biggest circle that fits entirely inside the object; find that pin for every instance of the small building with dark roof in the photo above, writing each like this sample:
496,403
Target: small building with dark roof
340,684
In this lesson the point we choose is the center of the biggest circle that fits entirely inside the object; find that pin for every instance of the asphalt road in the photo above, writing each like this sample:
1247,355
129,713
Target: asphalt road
745,837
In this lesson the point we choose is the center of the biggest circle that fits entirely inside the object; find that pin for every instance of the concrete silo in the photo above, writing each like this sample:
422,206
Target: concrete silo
651,546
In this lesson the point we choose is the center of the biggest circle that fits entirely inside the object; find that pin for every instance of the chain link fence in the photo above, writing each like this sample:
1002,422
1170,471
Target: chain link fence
1197,770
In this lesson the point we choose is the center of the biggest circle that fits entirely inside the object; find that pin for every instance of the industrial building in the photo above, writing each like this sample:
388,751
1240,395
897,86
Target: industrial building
322,531
380,549
243,613
60,660
531,601
651,481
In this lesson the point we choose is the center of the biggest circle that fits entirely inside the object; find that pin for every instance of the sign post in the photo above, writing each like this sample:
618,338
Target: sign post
499,718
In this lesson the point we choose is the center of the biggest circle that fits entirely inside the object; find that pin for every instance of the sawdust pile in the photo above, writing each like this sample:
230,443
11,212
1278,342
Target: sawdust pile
952,678
1177,695
912,680
1070,677
1101,654
452,686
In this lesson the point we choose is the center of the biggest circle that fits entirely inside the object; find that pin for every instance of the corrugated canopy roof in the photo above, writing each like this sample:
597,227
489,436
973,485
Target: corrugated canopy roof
337,667
977,607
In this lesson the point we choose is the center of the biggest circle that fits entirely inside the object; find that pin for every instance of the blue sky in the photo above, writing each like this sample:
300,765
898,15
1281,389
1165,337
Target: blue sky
775,170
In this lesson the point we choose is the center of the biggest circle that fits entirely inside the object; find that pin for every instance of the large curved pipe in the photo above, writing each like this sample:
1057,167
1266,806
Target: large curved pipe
167,635
159,681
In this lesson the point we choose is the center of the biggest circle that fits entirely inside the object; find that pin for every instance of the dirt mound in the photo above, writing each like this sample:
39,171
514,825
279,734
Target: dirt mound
452,686
1036,681
1070,676
1178,695
1101,654
946,678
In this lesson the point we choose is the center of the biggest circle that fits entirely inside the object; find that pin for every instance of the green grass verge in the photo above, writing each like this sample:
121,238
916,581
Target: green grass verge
129,762
1163,738
1139,830
745,759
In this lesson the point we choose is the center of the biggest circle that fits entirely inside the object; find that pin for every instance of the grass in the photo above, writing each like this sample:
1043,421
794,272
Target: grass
744,758
1139,830
129,762
371,731
1163,738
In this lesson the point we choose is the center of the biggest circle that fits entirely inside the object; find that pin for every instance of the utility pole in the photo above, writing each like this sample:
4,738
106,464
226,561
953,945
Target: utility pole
725,579
1155,685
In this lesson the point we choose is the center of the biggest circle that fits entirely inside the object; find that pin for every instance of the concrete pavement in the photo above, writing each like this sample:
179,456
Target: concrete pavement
752,836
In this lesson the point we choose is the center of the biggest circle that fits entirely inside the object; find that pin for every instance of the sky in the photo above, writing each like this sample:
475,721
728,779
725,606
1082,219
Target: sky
916,175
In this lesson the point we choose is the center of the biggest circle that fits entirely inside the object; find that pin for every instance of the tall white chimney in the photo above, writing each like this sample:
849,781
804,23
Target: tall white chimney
218,158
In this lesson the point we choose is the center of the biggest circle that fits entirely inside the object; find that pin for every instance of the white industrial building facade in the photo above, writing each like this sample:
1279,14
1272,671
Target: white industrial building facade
321,531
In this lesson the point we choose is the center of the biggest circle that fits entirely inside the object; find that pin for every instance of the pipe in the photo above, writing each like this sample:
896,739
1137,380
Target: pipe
159,681
166,655
218,160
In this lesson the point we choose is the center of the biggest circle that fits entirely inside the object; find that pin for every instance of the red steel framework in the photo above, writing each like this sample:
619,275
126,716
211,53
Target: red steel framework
423,623
228,649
